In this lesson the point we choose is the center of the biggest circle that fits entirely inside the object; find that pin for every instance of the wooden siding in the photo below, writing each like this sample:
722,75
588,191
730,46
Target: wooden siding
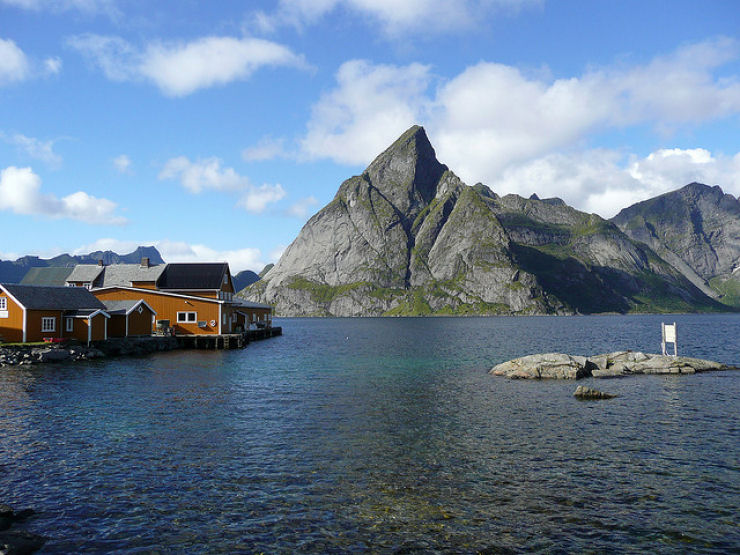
79,329
98,327
140,324
144,285
117,325
11,328
167,307
33,323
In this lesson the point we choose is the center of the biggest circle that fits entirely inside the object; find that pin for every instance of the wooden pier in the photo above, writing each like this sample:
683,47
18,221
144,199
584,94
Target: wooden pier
226,340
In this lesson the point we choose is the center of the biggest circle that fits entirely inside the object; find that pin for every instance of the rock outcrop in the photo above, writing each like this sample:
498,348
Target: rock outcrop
612,365
697,230
17,542
583,392
408,237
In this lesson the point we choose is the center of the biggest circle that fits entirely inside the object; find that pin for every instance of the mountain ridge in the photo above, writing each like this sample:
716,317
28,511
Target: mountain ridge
13,271
408,237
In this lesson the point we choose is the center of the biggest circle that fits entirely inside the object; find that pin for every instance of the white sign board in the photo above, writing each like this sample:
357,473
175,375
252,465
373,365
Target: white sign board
670,333
669,336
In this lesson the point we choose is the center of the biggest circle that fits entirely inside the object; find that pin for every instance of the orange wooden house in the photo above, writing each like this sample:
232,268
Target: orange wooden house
192,298
34,313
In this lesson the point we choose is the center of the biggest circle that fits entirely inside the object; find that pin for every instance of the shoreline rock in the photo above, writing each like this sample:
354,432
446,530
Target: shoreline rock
583,392
609,365
18,355
15,542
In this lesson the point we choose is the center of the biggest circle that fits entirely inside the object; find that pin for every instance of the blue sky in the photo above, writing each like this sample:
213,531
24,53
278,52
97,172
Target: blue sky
214,130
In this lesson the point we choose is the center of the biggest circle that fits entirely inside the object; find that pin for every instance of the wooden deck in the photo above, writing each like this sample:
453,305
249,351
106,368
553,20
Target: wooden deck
226,340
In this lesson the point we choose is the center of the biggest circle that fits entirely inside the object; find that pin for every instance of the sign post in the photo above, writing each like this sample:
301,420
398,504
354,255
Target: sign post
669,336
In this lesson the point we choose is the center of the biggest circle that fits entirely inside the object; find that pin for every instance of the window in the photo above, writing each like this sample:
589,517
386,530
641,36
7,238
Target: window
186,317
224,319
69,324
3,303
226,279
140,309
48,324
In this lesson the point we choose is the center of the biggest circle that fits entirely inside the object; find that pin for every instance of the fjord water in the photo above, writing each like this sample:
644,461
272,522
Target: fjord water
382,435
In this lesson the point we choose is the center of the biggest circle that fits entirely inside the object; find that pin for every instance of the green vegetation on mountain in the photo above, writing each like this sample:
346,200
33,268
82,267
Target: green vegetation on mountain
408,238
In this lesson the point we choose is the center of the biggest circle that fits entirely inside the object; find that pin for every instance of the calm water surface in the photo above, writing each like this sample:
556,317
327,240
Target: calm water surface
381,435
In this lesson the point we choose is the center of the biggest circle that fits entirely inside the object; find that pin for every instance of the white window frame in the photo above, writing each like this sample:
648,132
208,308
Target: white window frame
46,322
184,318
3,303
69,324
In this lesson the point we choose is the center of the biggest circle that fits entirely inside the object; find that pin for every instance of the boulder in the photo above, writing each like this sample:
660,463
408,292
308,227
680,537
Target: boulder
583,392
543,366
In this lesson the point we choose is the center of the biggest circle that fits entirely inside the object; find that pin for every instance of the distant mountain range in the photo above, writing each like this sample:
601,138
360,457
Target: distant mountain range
14,271
408,237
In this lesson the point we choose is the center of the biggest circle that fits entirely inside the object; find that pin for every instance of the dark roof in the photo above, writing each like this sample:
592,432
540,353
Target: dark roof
193,276
52,275
36,297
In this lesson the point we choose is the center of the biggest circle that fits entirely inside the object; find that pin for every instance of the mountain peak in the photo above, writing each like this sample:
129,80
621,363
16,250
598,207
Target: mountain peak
407,172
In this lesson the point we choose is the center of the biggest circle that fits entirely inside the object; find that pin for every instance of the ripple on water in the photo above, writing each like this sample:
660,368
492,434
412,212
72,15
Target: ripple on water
395,439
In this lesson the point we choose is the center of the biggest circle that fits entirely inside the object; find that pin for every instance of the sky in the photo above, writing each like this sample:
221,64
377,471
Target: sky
214,130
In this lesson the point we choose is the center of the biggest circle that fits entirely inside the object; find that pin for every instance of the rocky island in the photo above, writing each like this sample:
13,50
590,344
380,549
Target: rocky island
611,365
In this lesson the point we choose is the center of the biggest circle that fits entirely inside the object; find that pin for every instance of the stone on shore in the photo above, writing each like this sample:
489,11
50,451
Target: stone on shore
544,366
17,542
609,365
583,392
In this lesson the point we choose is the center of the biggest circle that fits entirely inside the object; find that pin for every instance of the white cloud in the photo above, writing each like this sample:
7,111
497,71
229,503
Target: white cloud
85,6
179,251
53,65
267,148
122,163
14,65
208,174
393,17
20,192
203,174
35,148
301,208
371,106
257,198
605,181
493,118
178,68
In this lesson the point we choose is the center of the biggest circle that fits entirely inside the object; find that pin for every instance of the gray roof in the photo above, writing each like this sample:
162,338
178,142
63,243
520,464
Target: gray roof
36,297
85,272
124,274
52,275
241,303
119,307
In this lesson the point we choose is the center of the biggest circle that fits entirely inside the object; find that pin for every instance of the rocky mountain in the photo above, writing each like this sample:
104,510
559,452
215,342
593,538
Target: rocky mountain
244,279
13,271
408,237
697,230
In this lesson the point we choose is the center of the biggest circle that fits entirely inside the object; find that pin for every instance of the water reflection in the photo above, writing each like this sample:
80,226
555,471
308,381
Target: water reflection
378,435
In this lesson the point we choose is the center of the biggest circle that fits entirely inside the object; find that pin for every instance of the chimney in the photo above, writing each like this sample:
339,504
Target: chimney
145,262
100,262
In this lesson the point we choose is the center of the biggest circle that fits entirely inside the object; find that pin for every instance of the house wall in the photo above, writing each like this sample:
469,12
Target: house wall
79,329
98,327
167,308
117,325
11,326
140,324
33,324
